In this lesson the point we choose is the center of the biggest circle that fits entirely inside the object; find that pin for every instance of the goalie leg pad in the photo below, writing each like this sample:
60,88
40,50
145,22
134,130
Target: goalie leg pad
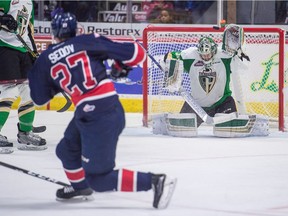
178,125
159,124
243,126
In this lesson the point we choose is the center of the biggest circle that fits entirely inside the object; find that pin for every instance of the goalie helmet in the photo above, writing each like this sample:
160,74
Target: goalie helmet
64,25
207,49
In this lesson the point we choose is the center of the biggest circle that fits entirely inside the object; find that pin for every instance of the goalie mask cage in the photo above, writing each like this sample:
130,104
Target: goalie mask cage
257,87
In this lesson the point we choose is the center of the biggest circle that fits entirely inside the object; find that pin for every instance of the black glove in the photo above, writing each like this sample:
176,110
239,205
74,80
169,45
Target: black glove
244,56
9,21
119,70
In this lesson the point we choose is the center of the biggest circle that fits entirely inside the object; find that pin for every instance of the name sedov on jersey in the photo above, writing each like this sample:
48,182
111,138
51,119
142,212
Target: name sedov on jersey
77,67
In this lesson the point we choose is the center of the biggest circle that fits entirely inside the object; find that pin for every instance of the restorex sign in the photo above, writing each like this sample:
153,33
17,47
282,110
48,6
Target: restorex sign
106,29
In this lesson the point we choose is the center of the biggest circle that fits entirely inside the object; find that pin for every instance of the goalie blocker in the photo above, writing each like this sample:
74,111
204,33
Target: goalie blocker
185,125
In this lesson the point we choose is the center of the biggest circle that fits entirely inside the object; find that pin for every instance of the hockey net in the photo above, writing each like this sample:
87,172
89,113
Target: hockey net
256,87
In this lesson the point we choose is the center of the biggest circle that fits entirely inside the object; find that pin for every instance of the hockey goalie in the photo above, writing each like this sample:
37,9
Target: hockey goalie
210,68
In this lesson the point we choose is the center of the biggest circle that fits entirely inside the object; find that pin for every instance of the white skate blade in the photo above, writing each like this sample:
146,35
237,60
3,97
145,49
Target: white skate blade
24,147
169,188
77,199
6,150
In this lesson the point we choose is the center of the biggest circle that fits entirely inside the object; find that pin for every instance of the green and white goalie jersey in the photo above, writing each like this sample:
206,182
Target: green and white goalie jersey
23,13
209,82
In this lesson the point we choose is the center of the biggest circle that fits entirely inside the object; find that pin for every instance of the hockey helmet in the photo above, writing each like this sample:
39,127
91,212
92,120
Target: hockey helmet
64,25
207,49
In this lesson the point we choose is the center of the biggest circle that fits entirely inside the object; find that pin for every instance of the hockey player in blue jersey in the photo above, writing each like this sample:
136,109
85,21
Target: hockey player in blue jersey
87,151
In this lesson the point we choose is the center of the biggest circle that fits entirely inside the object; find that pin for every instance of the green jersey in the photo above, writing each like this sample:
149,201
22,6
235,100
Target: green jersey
23,13
210,83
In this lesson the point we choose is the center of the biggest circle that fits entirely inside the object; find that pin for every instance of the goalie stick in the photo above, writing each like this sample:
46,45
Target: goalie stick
34,55
190,100
36,175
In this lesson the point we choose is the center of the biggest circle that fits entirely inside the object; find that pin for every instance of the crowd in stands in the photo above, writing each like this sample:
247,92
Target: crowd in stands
156,11
85,11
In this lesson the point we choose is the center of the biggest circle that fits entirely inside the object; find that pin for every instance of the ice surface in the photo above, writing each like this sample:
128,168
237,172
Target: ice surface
216,176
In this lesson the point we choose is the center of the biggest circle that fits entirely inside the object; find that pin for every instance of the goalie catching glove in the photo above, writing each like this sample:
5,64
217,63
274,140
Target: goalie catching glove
119,70
9,21
233,41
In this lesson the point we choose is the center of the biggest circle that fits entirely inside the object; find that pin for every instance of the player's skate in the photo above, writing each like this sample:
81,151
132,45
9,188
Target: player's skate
68,193
30,141
163,190
6,147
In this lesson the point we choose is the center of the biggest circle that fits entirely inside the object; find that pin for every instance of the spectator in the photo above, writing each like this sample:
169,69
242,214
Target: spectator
85,11
155,8
166,16
49,6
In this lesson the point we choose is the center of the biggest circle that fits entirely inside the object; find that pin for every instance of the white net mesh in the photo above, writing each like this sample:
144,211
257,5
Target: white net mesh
259,84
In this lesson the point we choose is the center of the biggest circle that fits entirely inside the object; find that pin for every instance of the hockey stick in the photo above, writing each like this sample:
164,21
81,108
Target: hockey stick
39,129
63,109
21,40
190,100
34,55
33,174
68,103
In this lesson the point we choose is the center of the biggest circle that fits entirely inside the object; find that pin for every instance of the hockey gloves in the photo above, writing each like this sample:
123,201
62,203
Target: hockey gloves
119,70
242,55
9,21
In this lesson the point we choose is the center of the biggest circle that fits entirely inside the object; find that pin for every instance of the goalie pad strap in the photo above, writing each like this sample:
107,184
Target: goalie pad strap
179,125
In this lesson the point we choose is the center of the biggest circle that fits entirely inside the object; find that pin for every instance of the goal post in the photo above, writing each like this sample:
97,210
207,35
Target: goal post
262,83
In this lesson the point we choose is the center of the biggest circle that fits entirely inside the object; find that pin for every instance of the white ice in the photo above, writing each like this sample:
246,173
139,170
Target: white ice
216,177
